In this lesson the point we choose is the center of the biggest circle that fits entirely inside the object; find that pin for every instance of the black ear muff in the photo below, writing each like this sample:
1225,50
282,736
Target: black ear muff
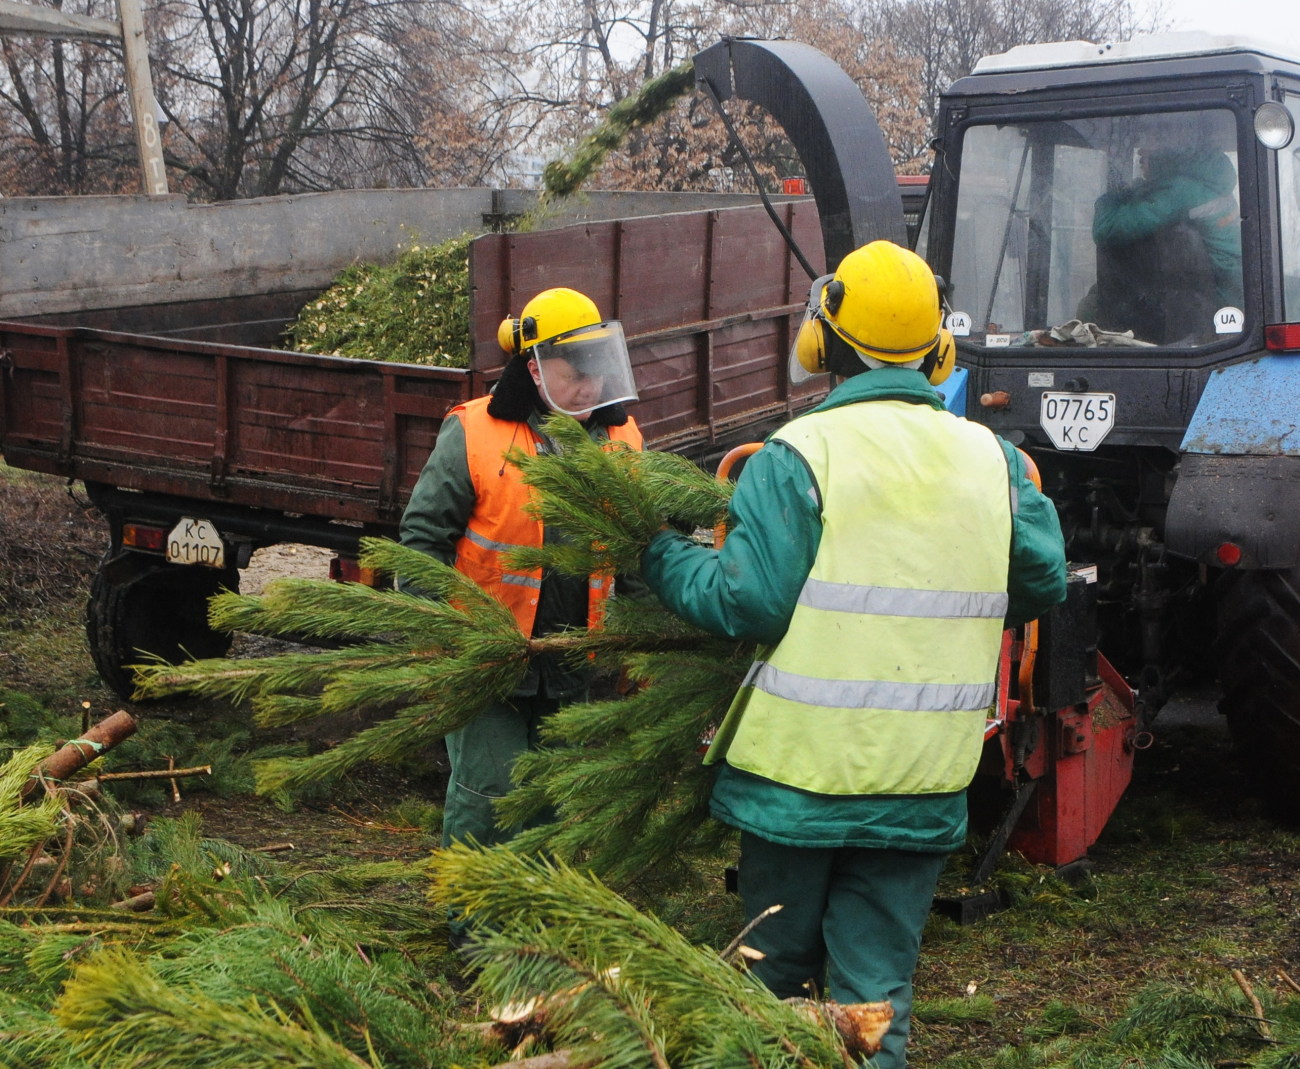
834,296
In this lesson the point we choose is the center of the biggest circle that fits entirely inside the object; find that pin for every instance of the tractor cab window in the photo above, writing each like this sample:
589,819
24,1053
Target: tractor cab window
1288,187
1114,231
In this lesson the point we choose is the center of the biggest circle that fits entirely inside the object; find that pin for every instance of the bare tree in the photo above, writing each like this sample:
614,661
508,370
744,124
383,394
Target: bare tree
64,118
272,96
260,97
947,37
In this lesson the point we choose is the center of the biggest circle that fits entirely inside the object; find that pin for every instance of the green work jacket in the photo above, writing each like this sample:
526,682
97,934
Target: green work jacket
751,587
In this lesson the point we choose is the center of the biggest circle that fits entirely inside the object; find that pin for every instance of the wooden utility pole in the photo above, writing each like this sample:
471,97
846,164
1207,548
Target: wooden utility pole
32,21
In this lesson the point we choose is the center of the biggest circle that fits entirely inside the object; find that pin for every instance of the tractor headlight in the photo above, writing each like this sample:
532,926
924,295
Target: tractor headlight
1274,126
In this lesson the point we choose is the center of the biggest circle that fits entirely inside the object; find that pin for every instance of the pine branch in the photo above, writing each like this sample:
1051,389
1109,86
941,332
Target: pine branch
611,502
623,779
654,98
289,673
554,930
117,1008
23,827
409,730
628,770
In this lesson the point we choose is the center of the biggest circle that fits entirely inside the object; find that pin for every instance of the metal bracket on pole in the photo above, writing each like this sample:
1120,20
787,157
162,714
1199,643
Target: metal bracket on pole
32,21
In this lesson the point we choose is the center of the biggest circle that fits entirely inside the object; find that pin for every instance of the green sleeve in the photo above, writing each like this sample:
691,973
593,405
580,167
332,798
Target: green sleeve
1036,571
1123,216
748,589
443,498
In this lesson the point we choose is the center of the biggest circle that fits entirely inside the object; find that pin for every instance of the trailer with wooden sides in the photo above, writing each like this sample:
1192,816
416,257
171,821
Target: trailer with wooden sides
159,387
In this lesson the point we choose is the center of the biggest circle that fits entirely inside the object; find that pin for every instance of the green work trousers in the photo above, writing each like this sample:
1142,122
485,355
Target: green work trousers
482,754
850,924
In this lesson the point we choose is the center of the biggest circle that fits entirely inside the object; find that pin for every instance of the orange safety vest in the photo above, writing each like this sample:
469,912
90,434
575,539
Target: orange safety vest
501,522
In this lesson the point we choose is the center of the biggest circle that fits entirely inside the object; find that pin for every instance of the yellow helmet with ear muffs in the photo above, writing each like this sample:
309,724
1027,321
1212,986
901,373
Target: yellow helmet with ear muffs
886,303
883,302
548,315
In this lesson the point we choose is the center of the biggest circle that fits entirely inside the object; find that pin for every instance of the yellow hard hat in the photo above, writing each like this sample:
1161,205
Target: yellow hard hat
548,315
884,302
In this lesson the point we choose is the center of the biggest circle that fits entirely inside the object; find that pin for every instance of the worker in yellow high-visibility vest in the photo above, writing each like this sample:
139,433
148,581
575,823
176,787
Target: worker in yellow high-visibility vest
877,546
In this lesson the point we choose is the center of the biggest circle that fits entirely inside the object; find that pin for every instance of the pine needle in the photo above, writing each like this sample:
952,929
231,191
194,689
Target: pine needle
611,502
623,780
23,826
615,983
116,1009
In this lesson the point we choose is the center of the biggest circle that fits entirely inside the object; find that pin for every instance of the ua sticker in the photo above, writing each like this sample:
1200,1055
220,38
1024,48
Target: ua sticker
959,324
1229,320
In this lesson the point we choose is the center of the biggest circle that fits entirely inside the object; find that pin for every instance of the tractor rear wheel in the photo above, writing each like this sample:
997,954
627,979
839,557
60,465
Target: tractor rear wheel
141,607
1258,656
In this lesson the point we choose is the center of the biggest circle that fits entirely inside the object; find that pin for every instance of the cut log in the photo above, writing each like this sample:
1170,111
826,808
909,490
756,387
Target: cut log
77,753
861,1025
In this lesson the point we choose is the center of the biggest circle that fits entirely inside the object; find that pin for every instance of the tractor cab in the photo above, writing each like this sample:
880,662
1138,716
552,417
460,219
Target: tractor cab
1119,226
1115,222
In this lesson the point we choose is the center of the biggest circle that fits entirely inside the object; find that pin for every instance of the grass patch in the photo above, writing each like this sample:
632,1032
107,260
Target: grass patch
1189,882
1130,966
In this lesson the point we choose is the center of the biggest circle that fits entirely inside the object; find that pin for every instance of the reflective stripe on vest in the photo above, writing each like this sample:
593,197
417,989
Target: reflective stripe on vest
501,522
883,679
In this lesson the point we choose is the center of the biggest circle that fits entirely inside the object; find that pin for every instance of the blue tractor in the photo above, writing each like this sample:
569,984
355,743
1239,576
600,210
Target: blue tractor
1119,231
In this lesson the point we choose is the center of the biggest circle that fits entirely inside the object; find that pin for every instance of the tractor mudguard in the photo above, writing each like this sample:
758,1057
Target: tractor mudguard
831,126
1239,478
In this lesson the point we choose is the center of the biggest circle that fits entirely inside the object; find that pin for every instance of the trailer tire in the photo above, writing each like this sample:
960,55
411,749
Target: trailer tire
1257,651
141,607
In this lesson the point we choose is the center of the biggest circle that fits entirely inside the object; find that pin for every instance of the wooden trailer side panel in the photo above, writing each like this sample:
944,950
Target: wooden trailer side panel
320,436
709,300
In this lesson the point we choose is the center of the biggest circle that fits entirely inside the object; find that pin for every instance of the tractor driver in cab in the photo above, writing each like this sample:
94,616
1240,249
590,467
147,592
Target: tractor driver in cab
469,509
1169,244
877,546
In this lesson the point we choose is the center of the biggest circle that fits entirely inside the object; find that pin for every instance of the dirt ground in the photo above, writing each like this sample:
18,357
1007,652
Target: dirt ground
274,562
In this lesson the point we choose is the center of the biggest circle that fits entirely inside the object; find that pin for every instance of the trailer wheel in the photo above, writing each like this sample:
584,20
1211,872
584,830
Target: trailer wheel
141,607
1258,655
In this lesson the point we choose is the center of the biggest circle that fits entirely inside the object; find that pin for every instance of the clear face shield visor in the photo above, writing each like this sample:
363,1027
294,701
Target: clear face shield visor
585,369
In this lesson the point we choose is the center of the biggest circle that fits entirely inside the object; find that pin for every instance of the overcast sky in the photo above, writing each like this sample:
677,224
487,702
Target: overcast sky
1270,20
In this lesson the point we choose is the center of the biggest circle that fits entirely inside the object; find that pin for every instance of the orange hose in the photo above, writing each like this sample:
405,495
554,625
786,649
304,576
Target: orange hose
724,473
1029,648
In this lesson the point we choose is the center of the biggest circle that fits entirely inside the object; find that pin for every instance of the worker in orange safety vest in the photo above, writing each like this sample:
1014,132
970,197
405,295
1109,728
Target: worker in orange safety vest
469,509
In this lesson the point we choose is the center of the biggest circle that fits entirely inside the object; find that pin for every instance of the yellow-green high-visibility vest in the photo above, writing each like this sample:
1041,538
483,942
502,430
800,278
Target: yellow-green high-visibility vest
883,681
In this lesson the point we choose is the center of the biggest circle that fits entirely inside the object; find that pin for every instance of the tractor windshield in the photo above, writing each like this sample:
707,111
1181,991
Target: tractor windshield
1110,231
